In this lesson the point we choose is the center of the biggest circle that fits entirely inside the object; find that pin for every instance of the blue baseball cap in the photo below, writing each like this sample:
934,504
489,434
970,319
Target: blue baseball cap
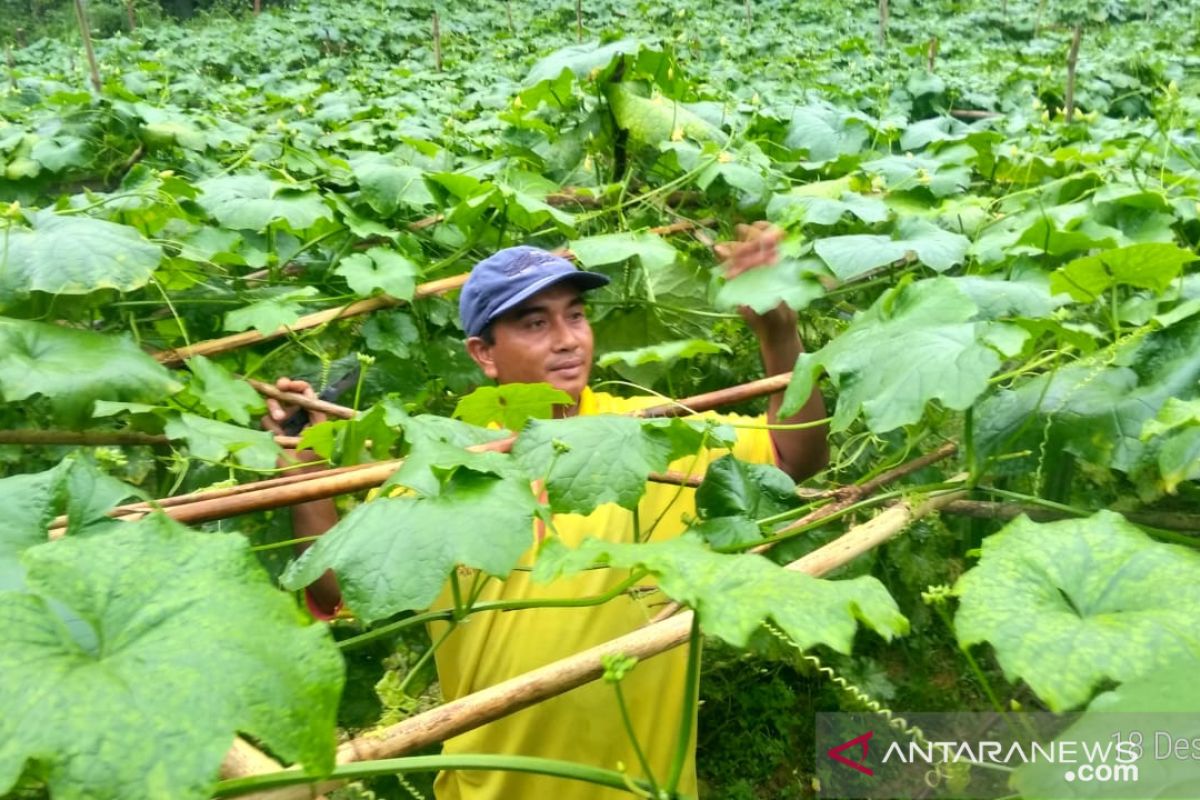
505,279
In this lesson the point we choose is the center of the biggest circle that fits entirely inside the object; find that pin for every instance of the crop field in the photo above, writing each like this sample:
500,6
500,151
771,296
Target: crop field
990,213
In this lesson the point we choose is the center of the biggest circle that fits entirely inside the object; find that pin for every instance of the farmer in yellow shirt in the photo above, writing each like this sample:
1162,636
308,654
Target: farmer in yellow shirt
524,315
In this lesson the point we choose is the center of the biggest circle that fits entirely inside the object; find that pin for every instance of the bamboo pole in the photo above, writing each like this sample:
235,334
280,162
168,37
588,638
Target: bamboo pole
984,509
437,41
317,485
512,29
130,17
931,54
12,67
1072,62
29,436
470,712
225,344
883,21
579,20
309,403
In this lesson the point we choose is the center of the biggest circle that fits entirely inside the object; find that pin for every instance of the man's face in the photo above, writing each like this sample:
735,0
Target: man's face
546,339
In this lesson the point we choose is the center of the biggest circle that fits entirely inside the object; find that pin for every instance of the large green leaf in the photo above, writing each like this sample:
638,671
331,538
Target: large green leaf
510,405
1069,604
1146,266
74,255
851,256
1094,409
735,594
220,391
825,133
211,440
654,120
915,344
791,281
1178,425
75,367
653,251
667,352
579,59
387,185
394,554
270,314
805,208
734,495
380,269
149,707
589,461
251,202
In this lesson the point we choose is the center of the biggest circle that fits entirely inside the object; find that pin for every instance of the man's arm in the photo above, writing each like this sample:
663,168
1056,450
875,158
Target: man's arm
801,453
312,518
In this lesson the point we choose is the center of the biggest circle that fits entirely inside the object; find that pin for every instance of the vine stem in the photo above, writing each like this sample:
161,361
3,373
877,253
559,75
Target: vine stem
349,772
691,687
637,746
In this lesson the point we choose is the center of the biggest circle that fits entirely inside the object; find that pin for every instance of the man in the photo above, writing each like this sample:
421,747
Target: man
524,316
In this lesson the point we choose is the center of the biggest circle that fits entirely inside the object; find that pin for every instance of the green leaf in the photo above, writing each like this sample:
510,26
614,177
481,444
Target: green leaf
667,352
74,255
75,367
510,405
809,209
394,554
382,269
219,391
252,202
269,315
589,461
391,332
1019,296
653,251
1179,459
791,281
654,120
1146,266
387,185
579,59
430,467
163,658
737,488
211,440
735,594
851,256
1173,415
1069,604
30,503
61,153
1093,409
914,345
825,133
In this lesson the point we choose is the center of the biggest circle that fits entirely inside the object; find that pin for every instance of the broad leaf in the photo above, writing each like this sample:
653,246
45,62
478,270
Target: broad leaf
1069,604
735,594
394,554
74,367
164,658
1025,296
825,133
252,202
915,344
589,461
654,120
269,315
667,352
220,391
579,59
851,256
379,269
211,440
736,488
792,281
809,209
1146,266
387,185
74,255
1178,425
653,251
510,405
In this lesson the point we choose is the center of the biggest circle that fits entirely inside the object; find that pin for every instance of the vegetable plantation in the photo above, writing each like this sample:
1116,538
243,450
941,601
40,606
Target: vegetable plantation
991,212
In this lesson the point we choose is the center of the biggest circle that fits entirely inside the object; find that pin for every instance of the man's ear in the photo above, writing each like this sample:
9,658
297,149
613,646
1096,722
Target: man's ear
481,353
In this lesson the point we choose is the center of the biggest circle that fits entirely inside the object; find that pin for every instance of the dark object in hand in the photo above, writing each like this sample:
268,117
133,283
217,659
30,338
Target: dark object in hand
298,419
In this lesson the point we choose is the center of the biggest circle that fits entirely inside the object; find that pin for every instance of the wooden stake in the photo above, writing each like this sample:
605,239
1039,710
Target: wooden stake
579,20
508,697
512,29
437,41
257,7
749,15
101,438
1166,520
130,17
932,54
12,66
85,31
883,21
1037,18
1072,61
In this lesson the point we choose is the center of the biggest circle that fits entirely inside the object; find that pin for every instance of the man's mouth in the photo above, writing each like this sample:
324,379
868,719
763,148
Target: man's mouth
567,369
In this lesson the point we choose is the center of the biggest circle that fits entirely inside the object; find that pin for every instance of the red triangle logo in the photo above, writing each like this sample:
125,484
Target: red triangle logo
836,753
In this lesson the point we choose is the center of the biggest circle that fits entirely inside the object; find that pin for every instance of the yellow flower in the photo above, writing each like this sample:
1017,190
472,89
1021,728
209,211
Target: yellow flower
677,134
724,157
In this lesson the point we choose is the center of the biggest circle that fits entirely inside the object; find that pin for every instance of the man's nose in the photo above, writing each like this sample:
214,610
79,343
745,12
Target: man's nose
564,336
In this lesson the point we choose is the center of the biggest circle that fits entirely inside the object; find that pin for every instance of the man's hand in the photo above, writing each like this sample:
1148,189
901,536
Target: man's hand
277,412
757,246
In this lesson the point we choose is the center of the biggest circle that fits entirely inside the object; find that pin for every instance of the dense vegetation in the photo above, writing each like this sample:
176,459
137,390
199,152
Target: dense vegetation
991,246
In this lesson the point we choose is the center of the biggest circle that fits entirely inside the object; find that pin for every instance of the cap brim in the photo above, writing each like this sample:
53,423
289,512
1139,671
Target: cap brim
584,280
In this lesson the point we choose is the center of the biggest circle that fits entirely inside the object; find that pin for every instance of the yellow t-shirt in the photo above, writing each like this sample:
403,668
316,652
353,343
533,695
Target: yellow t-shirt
583,725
